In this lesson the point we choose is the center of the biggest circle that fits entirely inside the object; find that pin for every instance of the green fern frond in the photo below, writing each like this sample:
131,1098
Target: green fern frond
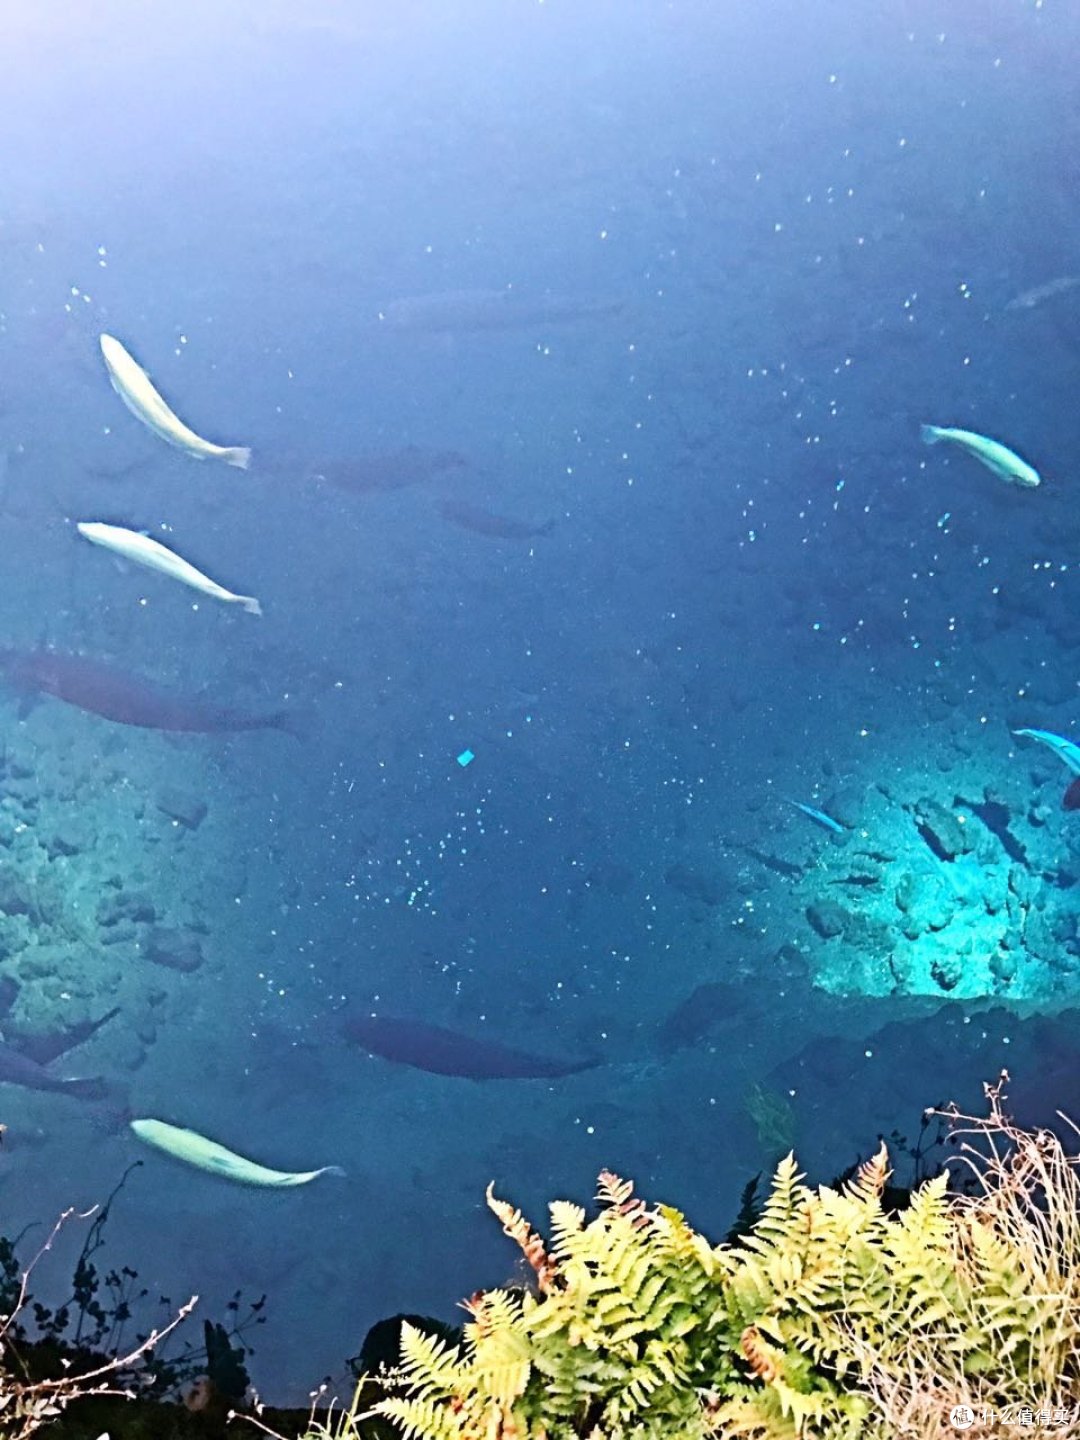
682,1243
928,1222
493,1310
613,1191
643,1331
786,1199
431,1367
502,1364
420,1419
567,1221
868,1183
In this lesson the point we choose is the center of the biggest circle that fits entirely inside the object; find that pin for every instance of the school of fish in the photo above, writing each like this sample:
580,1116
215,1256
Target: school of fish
97,689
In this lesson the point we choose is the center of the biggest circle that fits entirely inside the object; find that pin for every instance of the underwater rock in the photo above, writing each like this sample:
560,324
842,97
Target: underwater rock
69,838
1054,685
9,993
37,962
128,1053
939,906
862,872
910,927
694,884
996,815
1040,939
122,933
13,936
947,970
995,892
827,917
907,892
134,905
844,807
1039,813
927,903
902,969
15,897
1003,966
942,830
790,963
23,789
182,806
174,949
1023,884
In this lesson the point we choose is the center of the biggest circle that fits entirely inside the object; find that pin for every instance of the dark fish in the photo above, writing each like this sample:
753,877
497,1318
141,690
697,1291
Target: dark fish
114,694
18,1069
445,1052
485,522
1071,799
704,1011
42,1046
465,310
392,470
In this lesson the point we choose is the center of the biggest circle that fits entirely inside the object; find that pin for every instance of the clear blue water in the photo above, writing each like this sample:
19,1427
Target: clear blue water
746,252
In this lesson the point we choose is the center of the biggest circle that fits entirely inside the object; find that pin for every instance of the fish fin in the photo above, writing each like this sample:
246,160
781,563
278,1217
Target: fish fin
238,455
930,434
591,1062
250,604
90,1087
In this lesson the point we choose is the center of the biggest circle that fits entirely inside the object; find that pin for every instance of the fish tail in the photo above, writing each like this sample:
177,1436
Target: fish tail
289,1181
238,455
931,434
250,604
289,723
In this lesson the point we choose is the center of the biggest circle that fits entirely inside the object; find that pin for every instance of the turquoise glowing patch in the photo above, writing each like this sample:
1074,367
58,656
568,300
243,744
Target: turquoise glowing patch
465,758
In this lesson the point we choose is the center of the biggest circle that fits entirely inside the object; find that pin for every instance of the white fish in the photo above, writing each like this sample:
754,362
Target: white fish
195,1149
1064,749
1005,463
144,550
136,389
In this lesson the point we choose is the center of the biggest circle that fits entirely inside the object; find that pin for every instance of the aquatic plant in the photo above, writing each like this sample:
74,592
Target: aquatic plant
773,1116
836,1316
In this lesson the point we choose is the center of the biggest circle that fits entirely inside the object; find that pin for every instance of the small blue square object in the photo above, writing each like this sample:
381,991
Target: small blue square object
465,758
